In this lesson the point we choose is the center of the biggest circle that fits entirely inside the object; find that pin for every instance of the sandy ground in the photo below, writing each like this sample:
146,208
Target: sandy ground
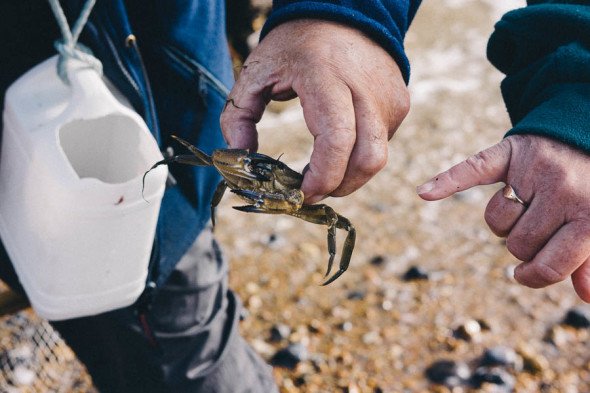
371,331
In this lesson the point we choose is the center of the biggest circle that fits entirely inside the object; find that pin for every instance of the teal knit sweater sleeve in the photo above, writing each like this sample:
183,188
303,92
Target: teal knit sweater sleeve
544,50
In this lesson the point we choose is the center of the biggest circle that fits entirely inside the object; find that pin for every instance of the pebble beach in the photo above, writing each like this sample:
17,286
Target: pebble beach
429,303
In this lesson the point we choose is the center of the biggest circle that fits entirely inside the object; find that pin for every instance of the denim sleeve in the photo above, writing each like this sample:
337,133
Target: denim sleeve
544,50
385,21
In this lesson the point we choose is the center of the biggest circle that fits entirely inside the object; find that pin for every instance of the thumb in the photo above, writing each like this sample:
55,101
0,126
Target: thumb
486,167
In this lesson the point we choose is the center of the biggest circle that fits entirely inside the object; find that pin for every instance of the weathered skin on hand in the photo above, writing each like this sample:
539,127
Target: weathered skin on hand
552,235
352,94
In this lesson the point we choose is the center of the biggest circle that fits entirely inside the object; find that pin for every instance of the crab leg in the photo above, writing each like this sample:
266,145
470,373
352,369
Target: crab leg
219,191
204,158
331,248
344,223
325,215
181,159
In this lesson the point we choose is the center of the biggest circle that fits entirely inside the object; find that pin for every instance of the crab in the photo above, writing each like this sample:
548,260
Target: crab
271,187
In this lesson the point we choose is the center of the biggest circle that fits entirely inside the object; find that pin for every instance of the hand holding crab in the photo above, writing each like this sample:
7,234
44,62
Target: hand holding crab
351,91
353,97
271,187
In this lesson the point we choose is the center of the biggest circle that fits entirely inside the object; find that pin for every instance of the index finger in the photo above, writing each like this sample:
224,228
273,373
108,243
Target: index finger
486,167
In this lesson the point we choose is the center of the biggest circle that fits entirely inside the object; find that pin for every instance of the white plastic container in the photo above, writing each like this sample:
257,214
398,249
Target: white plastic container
72,216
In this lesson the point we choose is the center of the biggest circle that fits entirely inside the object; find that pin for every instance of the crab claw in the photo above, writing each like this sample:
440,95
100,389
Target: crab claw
251,195
272,203
334,277
257,206
248,174
250,209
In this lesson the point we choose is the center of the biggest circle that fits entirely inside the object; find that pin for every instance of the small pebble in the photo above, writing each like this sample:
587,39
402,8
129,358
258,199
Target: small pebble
469,331
263,348
279,332
290,356
533,362
244,314
371,338
252,288
357,295
345,326
315,326
275,241
494,375
254,302
377,260
578,317
302,380
379,207
387,305
415,273
501,355
559,336
485,325
448,372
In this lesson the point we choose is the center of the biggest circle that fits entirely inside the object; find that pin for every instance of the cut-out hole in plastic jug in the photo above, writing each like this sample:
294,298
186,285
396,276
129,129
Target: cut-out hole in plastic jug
105,148
72,215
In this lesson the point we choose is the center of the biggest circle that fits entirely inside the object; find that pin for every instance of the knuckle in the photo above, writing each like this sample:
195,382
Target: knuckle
342,132
477,162
320,183
482,162
401,108
336,141
519,248
492,218
373,163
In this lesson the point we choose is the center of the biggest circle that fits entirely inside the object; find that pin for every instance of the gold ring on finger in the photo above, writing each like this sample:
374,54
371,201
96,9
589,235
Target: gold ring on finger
509,193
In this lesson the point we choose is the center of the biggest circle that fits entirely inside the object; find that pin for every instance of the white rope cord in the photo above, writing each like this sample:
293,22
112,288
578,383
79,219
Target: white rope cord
68,46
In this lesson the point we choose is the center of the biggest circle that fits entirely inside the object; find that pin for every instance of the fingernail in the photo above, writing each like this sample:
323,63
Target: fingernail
424,188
